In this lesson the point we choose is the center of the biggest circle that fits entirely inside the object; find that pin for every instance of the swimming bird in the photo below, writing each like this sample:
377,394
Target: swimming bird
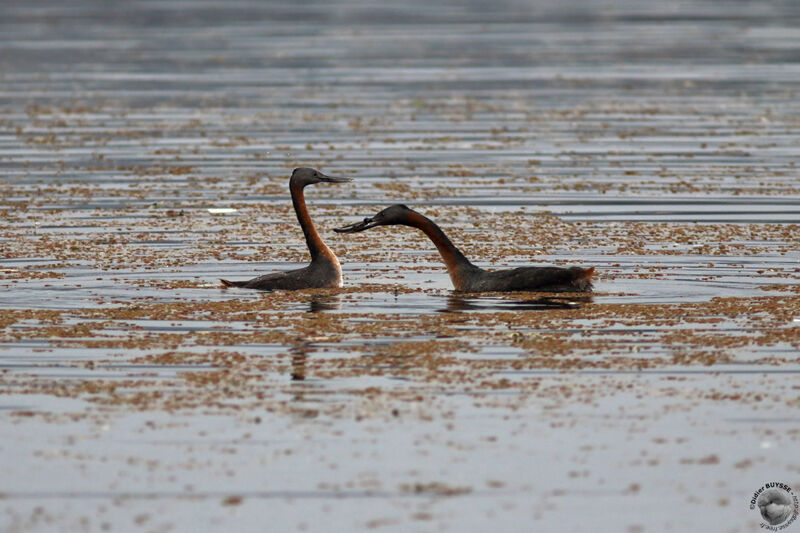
324,269
467,277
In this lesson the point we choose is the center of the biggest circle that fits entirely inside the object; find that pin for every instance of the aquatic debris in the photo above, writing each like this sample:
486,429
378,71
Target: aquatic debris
434,488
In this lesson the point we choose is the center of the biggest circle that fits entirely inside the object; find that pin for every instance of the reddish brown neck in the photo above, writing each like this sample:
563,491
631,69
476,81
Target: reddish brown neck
316,247
455,261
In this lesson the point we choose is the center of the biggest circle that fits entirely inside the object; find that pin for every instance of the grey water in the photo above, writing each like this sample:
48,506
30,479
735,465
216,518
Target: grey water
604,113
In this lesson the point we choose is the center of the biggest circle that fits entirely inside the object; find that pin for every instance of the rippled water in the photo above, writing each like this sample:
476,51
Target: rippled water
654,141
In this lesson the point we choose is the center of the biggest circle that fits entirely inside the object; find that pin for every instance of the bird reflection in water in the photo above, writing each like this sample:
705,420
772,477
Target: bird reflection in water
458,304
299,352
304,394
318,303
301,348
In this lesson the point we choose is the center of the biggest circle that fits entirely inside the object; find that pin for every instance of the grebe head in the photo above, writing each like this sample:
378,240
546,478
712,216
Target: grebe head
395,214
309,176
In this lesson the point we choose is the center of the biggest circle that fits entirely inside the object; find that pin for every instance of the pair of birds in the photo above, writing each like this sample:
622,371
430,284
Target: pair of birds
325,271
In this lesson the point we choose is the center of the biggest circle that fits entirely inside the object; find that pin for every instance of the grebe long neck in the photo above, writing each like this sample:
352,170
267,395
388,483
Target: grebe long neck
314,242
457,264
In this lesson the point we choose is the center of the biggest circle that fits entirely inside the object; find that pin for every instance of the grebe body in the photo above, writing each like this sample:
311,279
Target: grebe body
324,270
467,277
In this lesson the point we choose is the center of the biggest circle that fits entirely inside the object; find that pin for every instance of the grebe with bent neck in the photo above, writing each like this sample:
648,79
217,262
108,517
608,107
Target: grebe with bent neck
467,277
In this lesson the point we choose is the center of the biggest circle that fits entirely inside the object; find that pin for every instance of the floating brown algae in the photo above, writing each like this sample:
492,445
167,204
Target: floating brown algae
144,155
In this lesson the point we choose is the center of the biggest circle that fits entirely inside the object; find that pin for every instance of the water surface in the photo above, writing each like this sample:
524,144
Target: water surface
656,142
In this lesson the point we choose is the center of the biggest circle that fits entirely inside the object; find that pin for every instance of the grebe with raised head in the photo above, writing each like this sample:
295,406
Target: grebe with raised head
324,270
467,277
